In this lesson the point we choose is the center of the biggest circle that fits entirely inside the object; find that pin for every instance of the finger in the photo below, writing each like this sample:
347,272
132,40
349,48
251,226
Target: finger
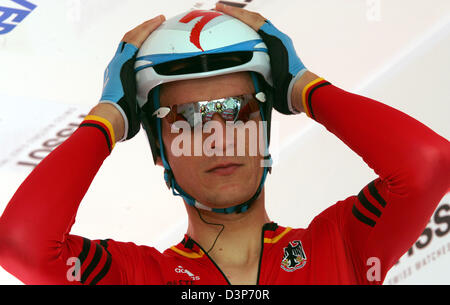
252,19
139,34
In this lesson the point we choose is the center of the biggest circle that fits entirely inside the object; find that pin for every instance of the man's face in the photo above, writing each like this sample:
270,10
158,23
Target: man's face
216,181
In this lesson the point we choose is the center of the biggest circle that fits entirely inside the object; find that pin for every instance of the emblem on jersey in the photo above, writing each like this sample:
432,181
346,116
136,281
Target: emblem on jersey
294,256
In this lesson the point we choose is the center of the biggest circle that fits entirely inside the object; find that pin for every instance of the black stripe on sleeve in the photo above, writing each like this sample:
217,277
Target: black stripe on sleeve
361,217
367,204
374,192
84,252
102,272
308,98
104,244
101,129
94,262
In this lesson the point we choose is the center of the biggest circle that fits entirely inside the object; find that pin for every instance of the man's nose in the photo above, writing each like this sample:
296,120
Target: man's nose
223,140
217,117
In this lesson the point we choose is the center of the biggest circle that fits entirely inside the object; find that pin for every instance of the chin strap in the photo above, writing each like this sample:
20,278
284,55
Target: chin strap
178,191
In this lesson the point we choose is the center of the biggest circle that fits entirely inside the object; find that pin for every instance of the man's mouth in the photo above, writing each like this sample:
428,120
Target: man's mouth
224,169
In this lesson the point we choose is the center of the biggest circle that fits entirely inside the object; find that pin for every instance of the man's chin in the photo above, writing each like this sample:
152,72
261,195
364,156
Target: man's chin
228,200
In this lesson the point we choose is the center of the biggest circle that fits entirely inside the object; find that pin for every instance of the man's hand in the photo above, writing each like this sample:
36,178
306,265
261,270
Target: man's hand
118,101
288,71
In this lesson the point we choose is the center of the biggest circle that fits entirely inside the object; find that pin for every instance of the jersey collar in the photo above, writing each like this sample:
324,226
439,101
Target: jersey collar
271,234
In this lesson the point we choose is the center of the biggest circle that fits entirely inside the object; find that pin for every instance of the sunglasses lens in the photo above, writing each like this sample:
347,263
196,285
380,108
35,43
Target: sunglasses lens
248,111
230,109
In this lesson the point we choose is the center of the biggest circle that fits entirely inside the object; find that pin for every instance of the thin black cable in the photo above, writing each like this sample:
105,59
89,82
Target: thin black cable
210,223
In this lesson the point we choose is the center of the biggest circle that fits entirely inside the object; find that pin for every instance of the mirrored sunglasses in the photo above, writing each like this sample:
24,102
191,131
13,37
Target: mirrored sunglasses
235,108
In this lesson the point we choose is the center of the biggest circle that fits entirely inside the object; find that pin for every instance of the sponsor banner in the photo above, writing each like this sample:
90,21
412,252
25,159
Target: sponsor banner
29,132
13,13
428,260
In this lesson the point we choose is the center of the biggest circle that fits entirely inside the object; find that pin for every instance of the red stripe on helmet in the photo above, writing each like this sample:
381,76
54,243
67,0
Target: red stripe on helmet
196,30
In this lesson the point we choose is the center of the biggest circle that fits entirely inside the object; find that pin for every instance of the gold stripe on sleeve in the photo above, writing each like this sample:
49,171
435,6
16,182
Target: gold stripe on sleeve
305,90
106,123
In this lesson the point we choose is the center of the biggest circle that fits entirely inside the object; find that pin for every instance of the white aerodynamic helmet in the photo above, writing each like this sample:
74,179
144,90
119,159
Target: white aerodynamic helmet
199,44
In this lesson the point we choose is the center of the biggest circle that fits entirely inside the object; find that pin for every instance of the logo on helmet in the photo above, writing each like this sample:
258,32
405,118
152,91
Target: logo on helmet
207,16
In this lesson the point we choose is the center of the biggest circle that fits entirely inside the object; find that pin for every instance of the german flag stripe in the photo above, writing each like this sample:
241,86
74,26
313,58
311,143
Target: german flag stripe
103,125
310,93
190,254
307,93
103,130
278,237
305,90
104,122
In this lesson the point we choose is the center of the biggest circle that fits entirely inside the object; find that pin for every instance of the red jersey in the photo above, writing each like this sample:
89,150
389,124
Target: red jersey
373,228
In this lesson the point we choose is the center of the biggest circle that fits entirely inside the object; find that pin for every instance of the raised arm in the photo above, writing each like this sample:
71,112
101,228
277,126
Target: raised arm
413,164
35,244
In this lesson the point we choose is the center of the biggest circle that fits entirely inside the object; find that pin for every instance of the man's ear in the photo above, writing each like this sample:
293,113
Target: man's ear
159,161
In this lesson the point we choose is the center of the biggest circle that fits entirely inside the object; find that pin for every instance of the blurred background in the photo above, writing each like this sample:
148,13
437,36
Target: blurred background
53,54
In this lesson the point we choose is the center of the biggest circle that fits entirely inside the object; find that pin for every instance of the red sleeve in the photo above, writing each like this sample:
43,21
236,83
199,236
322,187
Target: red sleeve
35,244
413,164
